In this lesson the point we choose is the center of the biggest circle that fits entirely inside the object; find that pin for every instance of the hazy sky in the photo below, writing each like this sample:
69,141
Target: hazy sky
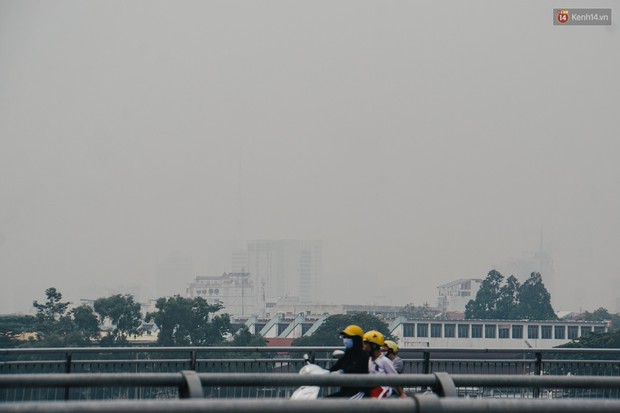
421,141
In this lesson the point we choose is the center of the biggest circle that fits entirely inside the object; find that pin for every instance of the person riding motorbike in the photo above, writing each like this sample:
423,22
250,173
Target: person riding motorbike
354,361
379,364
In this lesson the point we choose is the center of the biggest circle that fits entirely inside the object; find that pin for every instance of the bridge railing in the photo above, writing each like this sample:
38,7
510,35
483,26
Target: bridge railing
289,359
275,360
417,404
189,384
158,359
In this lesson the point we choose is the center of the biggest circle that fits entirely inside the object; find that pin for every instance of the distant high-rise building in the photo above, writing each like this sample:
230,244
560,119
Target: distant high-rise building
540,262
545,267
615,291
284,269
239,260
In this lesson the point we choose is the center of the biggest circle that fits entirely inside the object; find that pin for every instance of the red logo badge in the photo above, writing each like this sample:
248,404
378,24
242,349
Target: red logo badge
563,16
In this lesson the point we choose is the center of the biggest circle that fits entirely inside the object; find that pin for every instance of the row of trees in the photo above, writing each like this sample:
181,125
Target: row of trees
181,321
56,325
113,320
189,322
501,299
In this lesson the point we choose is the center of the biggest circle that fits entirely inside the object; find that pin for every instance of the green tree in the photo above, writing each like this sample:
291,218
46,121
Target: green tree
595,340
244,338
484,306
124,314
535,300
11,326
328,334
50,313
189,322
601,314
86,322
423,311
68,334
496,300
52,323
507,307
55,325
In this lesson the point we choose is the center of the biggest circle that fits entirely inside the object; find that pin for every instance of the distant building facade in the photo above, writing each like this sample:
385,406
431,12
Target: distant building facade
454,296
239,261
234,290
415,333
491,333
540,261
284,270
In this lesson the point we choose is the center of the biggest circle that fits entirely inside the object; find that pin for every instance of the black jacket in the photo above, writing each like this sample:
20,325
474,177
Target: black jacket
354,361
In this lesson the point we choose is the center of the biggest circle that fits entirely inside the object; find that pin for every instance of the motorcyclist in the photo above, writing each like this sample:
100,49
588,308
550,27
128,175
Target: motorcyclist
354,361
379,364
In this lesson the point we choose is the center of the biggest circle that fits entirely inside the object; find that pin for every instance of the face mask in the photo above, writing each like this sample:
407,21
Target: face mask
348,343
384,353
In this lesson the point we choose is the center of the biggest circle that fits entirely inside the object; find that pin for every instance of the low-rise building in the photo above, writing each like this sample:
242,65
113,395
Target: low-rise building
234,290
411,333
491,333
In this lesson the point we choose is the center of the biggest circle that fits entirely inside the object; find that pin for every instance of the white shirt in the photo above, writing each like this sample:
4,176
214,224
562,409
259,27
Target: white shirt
381,365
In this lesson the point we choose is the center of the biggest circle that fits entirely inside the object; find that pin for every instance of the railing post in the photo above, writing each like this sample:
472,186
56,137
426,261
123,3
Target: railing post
537,371
427,403
192,360
538,365
68,357
426,367
445,385
192,386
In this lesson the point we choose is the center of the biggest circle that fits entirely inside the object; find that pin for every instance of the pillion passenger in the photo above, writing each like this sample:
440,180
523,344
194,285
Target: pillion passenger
379,364
390,350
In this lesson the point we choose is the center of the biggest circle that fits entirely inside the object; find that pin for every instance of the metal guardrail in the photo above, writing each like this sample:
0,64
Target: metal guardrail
187,350
277,360
417,404
190,384
296,380
283,359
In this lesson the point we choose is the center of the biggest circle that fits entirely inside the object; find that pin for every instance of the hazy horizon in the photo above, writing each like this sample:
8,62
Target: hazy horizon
420,142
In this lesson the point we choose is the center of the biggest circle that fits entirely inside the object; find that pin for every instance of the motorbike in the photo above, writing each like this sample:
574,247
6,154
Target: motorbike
312,392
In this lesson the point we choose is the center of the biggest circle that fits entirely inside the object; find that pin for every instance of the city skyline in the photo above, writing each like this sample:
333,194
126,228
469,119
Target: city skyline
237,265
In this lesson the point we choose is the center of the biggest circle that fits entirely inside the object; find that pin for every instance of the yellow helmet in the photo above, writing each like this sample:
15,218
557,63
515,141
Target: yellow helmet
391,346
374,336
353,330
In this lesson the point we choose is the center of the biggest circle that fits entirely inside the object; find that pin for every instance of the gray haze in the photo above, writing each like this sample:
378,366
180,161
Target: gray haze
420,141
